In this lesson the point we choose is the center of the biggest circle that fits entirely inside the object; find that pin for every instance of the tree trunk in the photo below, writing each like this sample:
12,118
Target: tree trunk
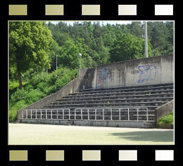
20,80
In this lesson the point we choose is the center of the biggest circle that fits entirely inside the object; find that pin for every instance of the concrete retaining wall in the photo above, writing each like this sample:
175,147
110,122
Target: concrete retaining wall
154,70
133,124
163,111
71,87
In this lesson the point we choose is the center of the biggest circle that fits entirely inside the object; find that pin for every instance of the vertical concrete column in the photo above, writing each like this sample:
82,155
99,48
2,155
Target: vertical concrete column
128,114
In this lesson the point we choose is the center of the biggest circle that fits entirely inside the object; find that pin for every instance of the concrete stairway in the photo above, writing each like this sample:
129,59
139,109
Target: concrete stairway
130,104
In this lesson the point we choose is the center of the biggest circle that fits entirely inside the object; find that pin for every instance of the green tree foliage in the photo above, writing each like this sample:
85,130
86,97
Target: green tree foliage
29,44
128,47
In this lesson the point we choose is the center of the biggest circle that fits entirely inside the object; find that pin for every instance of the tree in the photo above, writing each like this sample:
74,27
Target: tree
128,47
29,44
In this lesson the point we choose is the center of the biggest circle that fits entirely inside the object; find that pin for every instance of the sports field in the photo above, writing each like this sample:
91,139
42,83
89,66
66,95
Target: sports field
39,134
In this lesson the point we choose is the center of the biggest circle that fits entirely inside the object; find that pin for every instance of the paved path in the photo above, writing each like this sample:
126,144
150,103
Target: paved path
39,134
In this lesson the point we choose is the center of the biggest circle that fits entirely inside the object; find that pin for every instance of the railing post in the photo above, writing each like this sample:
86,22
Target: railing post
147,115
111,113
103,113
95,113
137,114
119,114
26,114
88,114
128,114
69,114
57,114
46,113
75,114
63,114
81,114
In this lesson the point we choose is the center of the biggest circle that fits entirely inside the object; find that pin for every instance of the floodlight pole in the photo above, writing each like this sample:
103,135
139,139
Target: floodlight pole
146,40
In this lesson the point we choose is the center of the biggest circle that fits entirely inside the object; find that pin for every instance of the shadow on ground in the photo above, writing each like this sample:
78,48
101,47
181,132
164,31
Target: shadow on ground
154,136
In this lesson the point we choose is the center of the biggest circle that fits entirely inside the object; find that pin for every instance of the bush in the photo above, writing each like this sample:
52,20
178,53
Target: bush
12,115
167,119
20,94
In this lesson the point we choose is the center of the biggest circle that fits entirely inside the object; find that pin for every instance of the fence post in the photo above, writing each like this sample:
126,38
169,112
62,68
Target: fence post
88,114
75,114
103,113
119,114
69,114
95,113
137,114
128,114
63,114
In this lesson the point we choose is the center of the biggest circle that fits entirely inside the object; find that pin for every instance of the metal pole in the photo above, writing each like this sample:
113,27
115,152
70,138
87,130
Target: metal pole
119,114
75,114
103,113
95,113
128,114
88,114
137,114
146,40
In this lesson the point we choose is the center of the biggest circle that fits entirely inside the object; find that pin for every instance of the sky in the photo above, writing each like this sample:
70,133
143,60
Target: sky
104,22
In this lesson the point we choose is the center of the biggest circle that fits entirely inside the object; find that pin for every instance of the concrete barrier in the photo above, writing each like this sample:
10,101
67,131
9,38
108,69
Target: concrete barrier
163,111
153,70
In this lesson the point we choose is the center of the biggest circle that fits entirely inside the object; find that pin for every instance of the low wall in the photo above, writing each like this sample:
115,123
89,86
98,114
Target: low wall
71,87
106,123
154,70
163,111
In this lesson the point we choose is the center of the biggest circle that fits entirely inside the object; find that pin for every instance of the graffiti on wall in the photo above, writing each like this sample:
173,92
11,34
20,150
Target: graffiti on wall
102,75
147,73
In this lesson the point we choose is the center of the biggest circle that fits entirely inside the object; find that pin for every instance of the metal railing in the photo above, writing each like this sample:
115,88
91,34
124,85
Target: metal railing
103,113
